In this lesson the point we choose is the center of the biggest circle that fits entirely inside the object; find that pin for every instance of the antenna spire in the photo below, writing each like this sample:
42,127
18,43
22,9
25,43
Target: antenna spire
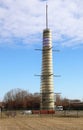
46,16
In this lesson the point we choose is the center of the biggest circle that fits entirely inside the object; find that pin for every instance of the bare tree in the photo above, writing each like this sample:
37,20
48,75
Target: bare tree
15,98
21,99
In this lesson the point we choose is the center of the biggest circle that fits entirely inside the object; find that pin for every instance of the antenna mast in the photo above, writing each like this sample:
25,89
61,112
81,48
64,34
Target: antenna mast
46,16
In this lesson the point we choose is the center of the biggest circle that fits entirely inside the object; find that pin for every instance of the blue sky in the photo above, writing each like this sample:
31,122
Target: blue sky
21,27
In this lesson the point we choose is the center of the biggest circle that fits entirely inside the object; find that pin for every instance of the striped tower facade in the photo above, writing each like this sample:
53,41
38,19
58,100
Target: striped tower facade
47,87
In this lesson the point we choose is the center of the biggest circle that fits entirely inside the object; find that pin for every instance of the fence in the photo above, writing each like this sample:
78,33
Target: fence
69,113
66,113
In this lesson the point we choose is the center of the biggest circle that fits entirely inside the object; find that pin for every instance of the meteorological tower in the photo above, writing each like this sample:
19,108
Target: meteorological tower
47,85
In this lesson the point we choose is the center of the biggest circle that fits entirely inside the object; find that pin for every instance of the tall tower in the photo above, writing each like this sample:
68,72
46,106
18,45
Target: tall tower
47,87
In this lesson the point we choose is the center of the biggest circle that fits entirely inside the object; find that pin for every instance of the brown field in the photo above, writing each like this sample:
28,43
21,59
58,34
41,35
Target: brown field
30,122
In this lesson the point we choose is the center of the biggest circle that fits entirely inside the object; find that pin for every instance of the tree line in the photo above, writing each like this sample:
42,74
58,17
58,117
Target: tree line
21,99
18,99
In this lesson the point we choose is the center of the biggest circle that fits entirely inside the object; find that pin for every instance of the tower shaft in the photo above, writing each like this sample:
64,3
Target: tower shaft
47,87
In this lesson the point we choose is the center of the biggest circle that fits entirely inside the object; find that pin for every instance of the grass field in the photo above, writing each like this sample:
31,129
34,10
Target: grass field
41,123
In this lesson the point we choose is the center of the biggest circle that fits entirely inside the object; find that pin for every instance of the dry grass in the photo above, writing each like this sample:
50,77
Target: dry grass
41,123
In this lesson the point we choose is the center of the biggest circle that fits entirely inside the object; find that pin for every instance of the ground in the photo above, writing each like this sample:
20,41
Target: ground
41,123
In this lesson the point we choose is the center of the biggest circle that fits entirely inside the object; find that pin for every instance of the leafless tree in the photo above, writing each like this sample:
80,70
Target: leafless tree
17,99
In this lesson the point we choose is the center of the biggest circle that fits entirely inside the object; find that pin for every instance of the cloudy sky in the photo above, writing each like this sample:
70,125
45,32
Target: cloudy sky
21,26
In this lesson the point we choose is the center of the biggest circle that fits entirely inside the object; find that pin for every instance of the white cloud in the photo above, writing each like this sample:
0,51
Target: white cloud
24,21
